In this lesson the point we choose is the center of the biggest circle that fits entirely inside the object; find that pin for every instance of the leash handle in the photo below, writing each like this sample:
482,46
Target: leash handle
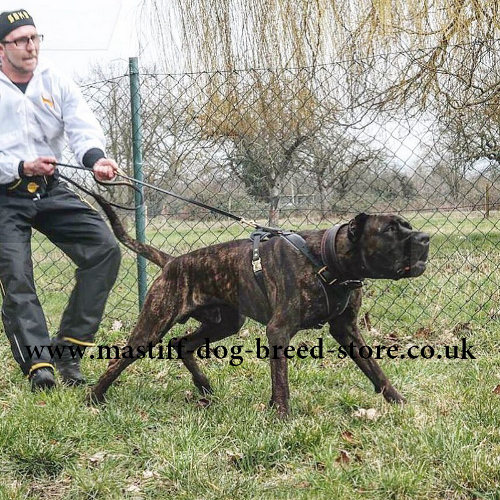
102,183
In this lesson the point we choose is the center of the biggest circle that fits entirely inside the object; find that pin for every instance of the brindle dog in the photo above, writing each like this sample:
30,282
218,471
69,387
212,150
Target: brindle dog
216,286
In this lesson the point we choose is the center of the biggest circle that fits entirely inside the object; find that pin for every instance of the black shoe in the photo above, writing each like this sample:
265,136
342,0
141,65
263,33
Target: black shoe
67,365
42,378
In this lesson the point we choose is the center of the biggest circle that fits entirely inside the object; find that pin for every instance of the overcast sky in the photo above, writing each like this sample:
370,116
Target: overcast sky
80,33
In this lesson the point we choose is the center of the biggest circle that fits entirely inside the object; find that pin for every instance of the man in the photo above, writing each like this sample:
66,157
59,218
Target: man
37,107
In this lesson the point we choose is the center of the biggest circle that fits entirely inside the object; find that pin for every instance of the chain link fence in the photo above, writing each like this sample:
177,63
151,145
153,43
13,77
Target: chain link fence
309,147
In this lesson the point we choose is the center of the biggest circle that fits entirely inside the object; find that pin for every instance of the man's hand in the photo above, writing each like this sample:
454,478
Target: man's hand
45,165
105,169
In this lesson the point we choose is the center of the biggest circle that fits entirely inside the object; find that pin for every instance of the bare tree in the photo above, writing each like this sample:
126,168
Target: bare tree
265,119
228,34
335,159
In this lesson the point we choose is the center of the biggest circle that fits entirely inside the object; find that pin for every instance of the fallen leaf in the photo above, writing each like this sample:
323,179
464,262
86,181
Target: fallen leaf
423,333
203,403
117,325
133,488
496,390
306,343
347,436
462,329
97,457
304,484
234,456
343,458
494,313
368,414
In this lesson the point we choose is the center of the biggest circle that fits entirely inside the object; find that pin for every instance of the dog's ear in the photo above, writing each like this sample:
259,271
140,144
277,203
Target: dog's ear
355,228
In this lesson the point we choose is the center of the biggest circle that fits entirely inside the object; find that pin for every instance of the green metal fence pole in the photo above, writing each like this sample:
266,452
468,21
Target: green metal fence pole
140,218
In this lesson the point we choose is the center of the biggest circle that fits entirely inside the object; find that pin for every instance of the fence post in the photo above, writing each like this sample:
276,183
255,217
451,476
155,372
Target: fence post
140,222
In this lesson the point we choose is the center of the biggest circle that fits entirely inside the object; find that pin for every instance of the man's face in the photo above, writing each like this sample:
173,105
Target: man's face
19,62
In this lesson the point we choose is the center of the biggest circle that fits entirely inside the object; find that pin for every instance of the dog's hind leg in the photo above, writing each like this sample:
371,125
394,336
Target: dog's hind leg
229,323
345,330
155,320
115,367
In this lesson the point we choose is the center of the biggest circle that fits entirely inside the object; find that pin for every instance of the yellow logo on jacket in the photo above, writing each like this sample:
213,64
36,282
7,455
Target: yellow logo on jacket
48,101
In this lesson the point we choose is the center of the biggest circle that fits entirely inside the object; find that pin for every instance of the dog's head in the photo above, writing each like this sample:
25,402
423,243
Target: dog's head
387,246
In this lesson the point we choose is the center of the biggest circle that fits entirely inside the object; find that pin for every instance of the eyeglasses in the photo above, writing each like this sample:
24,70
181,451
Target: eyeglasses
23,41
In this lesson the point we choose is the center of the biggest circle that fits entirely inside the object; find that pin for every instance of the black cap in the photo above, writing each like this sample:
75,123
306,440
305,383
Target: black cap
9,21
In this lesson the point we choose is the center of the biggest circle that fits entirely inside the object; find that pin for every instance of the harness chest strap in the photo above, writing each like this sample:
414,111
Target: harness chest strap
257,237
326,278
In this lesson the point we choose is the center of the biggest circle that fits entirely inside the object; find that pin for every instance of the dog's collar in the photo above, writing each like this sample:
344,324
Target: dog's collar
331,260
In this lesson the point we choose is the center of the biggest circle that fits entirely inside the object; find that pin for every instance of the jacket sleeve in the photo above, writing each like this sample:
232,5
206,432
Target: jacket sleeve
9,168
80,124
9,153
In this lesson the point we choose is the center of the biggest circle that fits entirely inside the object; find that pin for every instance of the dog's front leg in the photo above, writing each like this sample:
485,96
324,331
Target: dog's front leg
279,336
345,330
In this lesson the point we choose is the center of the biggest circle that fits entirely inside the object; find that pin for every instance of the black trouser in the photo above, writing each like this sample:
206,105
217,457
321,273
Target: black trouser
80,232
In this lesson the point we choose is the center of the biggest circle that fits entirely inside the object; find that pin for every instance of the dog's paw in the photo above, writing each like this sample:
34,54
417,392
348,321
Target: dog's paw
205,389
392,396
282,410
94,398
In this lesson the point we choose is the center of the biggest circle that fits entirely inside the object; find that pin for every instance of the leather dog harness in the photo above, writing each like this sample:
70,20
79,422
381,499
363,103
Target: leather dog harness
337,292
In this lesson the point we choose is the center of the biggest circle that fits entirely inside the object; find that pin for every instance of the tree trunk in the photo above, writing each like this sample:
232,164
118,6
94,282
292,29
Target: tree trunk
274,200
322,201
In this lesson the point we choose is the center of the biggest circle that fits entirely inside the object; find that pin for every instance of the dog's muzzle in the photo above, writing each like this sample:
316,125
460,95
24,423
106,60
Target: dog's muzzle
416,254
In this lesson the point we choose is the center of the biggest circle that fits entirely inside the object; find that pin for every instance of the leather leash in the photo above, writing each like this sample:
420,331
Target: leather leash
131,182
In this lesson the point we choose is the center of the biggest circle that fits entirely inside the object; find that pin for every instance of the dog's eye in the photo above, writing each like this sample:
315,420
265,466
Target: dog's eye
390,228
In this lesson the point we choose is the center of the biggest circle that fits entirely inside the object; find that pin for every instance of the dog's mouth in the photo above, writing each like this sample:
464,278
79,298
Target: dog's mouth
416,262
412,271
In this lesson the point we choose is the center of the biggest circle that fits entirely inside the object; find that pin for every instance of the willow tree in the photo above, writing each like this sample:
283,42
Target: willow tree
444,53
212,35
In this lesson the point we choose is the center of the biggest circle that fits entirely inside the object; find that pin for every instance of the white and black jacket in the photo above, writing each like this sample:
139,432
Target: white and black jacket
35,123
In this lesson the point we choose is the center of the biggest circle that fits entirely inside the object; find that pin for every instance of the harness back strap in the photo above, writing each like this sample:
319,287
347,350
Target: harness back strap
319,268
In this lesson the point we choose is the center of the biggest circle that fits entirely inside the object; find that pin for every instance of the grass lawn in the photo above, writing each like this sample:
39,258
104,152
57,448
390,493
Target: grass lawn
155,438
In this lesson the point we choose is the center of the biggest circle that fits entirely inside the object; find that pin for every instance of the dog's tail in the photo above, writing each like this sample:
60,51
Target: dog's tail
151,253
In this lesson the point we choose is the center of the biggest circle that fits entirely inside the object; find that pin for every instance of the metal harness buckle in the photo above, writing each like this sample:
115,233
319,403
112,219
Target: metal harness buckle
321,272
257,265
